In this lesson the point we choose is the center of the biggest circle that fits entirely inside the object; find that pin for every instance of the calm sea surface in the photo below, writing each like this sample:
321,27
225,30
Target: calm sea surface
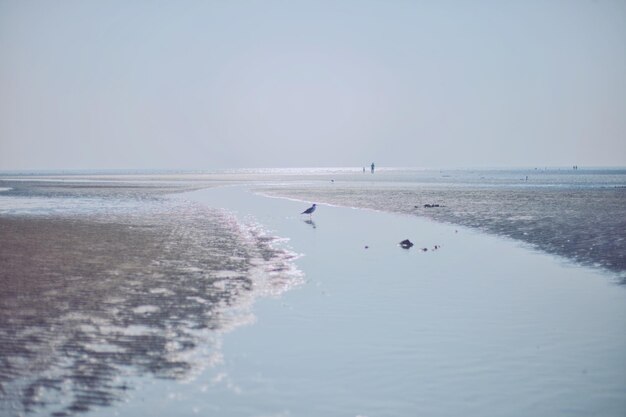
577,214
106,279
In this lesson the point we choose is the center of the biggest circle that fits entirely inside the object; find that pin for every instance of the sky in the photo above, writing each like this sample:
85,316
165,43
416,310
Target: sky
187,84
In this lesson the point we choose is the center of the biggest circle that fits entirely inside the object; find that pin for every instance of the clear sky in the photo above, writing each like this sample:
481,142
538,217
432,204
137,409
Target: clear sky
91,84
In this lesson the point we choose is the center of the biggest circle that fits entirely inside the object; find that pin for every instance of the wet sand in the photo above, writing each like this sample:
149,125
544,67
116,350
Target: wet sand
584,225
160,308
90,302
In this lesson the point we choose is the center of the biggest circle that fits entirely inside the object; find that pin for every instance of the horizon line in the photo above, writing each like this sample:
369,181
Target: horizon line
74,171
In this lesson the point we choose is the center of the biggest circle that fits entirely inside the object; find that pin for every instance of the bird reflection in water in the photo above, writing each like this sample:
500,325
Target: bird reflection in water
311,223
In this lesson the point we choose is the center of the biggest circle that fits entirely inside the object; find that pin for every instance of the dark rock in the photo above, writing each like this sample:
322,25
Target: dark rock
406,243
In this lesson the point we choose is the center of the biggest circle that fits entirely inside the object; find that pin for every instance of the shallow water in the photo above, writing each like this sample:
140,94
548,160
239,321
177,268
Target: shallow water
479,327
579,215
96,292
115,300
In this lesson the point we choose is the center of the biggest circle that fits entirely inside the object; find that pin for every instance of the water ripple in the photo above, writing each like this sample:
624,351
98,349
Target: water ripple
91,300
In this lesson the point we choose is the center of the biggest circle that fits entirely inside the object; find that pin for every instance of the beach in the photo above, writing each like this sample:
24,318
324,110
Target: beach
257,310
573,214
312,209
97,290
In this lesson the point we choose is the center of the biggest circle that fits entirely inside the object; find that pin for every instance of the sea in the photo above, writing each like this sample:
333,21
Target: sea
109,277
578,214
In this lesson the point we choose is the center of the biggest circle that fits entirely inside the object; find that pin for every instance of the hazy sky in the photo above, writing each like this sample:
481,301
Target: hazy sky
215,84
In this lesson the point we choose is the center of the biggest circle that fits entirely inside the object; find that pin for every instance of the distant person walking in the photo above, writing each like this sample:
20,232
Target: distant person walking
373,166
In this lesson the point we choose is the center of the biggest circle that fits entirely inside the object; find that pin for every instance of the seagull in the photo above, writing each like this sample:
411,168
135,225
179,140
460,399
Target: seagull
310,210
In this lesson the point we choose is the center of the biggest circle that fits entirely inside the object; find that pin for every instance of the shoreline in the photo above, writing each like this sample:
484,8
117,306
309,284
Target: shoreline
482,318
98,301
480,326
566,223
581,220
